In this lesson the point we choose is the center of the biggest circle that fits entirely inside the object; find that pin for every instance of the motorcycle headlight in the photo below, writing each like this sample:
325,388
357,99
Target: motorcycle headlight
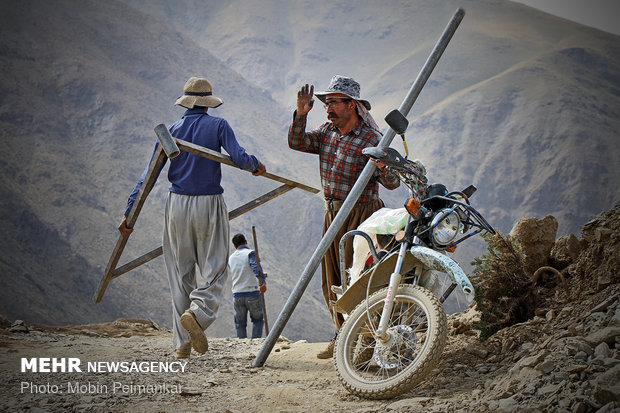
446,226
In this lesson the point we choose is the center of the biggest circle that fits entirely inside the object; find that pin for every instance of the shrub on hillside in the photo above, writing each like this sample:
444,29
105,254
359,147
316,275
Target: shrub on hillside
504,293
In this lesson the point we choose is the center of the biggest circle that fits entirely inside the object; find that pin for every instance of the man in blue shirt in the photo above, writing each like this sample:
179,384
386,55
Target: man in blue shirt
196,230
248,284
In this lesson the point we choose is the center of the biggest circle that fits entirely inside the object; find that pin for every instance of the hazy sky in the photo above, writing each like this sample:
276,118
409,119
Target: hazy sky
602,14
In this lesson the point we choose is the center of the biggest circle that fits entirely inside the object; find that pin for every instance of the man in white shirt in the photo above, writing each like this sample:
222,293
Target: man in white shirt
248,284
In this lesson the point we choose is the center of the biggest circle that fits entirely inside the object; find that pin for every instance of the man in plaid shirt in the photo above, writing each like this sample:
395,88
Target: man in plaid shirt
339,144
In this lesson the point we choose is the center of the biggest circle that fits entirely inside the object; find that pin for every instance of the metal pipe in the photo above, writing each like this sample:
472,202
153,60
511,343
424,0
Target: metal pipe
341,251
355,193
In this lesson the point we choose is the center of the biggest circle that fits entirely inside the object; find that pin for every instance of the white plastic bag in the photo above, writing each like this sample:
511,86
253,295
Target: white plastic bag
383,221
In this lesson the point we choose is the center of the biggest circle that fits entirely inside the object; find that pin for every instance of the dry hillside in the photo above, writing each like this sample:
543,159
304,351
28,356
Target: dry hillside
565,359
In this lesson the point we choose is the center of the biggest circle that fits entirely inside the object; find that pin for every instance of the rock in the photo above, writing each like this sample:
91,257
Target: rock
609,408
581,355
19,327
607,386
477,393
541,312
508,405
405,404
615,320
546,366
508,344
525,348
580,407
573,345
575,368
528,362
565,251
536,238
602,234
602,351
4,322
549,389
603,281
566,311
564,403
605,335
604,305
477,351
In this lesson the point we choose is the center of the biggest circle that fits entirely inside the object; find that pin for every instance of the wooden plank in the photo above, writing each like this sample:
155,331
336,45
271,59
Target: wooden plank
259,201
227,160
138,262
260,271
143,259
147,185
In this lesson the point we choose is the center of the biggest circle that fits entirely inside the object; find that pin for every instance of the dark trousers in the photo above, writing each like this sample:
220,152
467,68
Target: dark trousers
243,306
330,264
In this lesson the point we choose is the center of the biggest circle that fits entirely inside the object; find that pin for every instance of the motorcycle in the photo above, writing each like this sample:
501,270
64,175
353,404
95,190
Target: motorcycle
395,326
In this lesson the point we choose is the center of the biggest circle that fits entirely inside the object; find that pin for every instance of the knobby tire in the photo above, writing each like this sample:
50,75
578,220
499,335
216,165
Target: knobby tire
417,313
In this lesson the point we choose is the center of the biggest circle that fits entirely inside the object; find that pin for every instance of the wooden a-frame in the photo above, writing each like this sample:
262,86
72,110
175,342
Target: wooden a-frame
170,147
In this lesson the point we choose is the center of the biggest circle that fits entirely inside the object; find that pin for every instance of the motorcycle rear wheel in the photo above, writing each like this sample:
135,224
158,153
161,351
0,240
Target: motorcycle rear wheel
418,328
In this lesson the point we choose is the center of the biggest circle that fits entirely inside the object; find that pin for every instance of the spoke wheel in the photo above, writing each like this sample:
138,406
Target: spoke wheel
417,333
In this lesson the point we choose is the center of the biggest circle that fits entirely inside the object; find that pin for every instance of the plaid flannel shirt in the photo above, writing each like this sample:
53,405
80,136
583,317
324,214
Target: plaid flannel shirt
340,157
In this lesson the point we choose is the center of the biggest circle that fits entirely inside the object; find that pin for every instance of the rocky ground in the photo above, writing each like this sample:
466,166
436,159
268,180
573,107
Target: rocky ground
565,359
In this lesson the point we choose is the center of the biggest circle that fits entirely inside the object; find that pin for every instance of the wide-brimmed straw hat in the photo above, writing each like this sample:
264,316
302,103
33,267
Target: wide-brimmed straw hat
343,85
198,92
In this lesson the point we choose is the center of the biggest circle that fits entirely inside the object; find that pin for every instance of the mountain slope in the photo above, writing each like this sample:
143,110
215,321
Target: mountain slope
84,85
554,152
522,104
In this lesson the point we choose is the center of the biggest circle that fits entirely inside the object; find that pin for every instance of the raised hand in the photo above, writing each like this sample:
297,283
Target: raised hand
304,99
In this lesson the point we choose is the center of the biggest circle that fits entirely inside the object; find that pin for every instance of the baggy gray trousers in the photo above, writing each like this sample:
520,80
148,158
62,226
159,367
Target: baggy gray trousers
195,244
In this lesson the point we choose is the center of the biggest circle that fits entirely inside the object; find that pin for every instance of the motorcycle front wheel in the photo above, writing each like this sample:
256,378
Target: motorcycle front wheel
417,330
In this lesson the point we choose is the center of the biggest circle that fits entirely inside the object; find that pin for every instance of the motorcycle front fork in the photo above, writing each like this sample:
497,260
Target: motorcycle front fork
383,336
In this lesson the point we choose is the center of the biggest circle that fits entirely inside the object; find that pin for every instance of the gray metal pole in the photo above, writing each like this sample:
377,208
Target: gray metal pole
354,195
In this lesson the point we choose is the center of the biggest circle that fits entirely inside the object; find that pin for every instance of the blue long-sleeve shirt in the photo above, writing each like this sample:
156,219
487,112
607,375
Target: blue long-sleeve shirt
190,174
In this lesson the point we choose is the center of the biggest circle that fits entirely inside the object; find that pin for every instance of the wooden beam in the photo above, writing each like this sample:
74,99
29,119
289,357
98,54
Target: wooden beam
227,160
259,201
149,180
138,262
